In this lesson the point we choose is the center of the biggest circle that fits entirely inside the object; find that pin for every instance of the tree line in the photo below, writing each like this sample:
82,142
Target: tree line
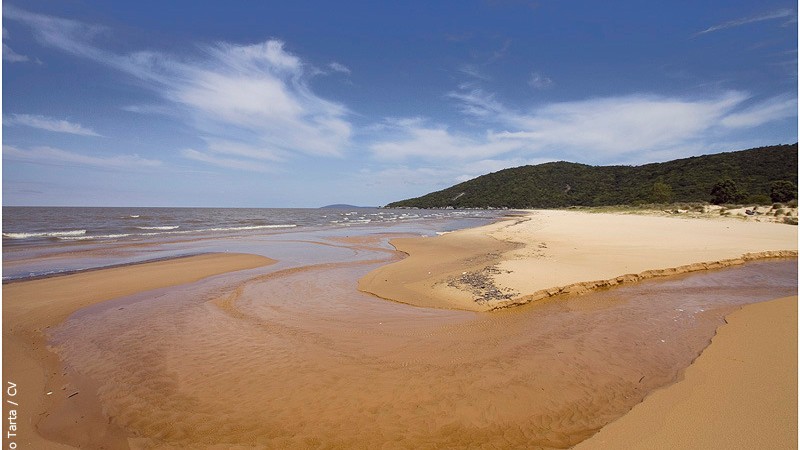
758,175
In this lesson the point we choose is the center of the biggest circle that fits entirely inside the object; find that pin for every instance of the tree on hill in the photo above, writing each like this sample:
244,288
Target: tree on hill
661,193
782,191
726,191
682,180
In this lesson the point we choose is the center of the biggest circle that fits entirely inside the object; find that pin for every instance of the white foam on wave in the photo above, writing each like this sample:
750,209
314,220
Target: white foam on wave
252,227
223,229
164,228
57,234
87,238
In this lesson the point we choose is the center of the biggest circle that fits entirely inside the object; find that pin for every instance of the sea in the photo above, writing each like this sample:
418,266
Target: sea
46,241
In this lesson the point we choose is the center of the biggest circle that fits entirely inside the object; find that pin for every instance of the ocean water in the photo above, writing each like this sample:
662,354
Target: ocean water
39,241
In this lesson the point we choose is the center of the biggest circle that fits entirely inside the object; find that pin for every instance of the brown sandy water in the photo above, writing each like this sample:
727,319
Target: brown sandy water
297,358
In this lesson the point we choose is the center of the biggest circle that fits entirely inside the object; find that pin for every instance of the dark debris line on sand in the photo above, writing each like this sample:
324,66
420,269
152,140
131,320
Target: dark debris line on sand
481,284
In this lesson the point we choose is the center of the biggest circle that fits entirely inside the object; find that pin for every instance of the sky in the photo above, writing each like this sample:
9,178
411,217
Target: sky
308,103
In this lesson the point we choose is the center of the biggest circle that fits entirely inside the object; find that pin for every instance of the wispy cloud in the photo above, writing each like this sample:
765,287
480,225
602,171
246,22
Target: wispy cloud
631,129
778,14
502,52
55,156
474,72
339,67
615,126
258,93
775,108
229,163
48,124
9,54
12,56
540,81
414,139
618,128
476,102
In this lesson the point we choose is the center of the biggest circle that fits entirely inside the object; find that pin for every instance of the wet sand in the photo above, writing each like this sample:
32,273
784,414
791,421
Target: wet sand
740,393
31,308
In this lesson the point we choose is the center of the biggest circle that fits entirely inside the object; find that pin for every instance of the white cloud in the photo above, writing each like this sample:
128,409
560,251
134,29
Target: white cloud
474,72
257,94
412,139
779,14
339,67
150,109
540,81
48,124
619,128
775,108
9,54
408,181
228,163
12,56
476,102
55,156
618,125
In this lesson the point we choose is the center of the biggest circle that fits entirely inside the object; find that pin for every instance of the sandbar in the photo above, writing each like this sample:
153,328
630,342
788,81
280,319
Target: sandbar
741,392
30,307
552,252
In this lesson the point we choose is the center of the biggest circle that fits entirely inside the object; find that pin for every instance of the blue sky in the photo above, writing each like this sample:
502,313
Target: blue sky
301,104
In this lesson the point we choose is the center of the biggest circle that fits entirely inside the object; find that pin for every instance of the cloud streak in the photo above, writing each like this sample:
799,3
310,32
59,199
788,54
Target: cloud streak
257,94
48,124
339,67
778,14
12,56
621,129
9,54
540,81
55,156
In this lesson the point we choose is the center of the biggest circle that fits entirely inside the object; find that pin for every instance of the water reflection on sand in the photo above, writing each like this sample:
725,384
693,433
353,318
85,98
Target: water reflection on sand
295,356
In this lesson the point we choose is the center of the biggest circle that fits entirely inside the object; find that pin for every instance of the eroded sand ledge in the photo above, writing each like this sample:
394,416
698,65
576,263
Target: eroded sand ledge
547,253
30,307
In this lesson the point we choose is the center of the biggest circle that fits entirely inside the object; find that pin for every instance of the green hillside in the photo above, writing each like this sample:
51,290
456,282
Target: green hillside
561,184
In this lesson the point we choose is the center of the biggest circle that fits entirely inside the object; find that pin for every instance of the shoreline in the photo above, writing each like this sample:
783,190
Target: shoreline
549,252
32,306
740,392
68,272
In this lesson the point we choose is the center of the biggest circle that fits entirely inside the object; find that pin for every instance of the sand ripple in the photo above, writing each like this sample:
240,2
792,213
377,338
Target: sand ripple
298,358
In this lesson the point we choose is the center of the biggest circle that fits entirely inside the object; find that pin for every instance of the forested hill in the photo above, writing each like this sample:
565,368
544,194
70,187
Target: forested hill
560,184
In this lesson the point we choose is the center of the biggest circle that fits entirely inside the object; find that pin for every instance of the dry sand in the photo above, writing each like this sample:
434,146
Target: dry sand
740,393
553,252
30,307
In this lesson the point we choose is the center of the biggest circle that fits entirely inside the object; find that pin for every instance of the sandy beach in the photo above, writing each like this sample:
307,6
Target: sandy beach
278,358
552,252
